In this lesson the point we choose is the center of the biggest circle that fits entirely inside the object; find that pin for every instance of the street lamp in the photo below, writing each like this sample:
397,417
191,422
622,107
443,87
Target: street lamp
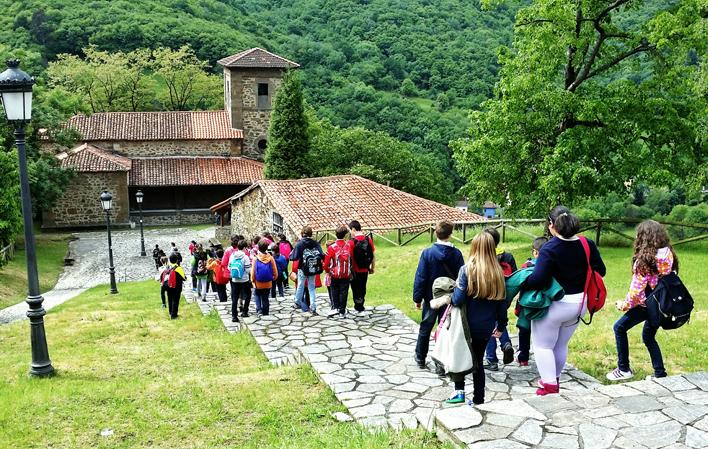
106,202
139,198
16,93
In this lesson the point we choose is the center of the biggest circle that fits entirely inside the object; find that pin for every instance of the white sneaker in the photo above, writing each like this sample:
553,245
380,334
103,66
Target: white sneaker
617,374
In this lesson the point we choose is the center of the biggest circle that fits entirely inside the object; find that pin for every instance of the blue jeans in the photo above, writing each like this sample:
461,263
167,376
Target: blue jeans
430,316
301,279
627,321
262,297
491,353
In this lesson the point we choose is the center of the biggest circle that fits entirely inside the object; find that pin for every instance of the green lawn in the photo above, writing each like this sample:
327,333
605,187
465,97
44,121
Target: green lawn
592,348
51,249
122,365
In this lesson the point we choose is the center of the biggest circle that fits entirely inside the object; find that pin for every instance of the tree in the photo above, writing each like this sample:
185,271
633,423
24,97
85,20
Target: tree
288,138
408,89
589,100
10,215
188,85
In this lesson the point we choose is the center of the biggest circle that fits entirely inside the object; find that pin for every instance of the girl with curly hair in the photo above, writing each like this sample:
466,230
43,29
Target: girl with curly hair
653,257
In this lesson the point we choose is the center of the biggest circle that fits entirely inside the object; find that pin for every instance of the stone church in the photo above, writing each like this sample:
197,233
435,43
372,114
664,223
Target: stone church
182,161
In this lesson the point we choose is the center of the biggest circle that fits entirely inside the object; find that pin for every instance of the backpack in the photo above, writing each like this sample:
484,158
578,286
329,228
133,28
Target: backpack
264,271
169,277
453,350
363,254
340,264
201,267
595,292
312,262
236,267
670,304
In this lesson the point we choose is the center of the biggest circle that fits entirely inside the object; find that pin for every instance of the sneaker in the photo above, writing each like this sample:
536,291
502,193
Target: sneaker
439,370
491,366
544,389
617,374
259,314
526,363
314,313
332,313
234,319
164,306
244,314
458,397
342,315
419,362
508,351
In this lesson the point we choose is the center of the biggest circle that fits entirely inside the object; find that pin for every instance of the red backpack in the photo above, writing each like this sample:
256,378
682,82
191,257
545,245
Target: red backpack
340,266
595,292
169,277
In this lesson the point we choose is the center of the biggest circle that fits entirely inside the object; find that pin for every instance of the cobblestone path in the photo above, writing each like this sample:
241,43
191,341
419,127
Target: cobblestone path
367,362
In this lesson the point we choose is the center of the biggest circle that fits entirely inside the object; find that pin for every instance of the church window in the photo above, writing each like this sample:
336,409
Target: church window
277,223
263,98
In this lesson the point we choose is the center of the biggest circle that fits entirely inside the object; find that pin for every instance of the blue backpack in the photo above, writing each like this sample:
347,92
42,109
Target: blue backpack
264,271
237,267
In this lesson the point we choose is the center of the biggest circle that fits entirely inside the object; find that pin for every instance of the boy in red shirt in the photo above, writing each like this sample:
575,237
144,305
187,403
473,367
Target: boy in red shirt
362,249
338,264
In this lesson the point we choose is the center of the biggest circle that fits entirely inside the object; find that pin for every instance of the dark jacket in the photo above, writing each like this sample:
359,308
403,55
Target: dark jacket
564,261
305,244
483,315
436,261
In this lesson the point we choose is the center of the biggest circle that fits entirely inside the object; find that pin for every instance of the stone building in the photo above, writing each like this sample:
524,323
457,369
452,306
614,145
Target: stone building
182,161
325,203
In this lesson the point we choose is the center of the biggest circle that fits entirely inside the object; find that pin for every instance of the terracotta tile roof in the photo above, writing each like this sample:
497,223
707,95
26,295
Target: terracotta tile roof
259,58
325,203
194,171
89,158
174,125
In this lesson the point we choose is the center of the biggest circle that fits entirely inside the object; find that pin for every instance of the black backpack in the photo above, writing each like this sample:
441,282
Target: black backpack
670,304
363,254
311,262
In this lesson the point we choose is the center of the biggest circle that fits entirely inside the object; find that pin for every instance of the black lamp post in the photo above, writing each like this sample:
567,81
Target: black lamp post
16,93
106,202
139,198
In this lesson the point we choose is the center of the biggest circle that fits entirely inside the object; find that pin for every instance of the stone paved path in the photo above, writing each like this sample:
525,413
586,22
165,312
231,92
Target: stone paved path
367,362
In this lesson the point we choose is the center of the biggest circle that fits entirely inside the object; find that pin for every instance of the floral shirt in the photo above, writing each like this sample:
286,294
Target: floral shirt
637,295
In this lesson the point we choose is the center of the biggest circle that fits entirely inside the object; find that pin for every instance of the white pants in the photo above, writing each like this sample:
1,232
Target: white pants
551,335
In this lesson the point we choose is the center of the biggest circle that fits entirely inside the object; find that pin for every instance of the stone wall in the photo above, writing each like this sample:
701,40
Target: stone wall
252,215
80,204
159,148
173,218
242,104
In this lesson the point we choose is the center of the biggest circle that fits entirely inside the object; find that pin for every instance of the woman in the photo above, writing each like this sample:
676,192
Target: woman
480,286
563,259
653,257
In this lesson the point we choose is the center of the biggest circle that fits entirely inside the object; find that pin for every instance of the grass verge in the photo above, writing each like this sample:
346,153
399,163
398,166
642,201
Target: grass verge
51,249
593,347
122,365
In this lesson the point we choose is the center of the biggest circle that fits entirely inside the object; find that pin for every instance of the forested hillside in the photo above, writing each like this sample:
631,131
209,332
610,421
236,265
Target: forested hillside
409,68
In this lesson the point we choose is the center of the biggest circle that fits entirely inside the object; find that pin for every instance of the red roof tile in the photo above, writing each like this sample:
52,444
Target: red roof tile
325,203
89,158
194,171
174,125
259,58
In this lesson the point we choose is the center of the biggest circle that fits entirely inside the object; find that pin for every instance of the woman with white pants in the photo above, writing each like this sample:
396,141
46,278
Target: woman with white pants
563,259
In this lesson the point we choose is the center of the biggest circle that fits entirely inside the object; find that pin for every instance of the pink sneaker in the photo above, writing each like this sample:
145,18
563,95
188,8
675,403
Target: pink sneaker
545,388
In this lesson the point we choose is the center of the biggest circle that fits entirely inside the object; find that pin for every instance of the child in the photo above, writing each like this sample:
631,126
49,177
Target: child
239,266
201,274
282,264
285,249
172,279
157,255
263,272
508,264
525,334
328,277
480,286
653,257
163,288
338,264
219,275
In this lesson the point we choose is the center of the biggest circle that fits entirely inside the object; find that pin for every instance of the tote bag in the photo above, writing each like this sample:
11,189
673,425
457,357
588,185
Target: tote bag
452,342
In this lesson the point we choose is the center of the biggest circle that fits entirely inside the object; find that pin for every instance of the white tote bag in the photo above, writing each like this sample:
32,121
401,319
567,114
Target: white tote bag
452,347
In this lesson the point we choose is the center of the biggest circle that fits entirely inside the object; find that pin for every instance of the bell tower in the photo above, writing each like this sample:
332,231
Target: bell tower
251,79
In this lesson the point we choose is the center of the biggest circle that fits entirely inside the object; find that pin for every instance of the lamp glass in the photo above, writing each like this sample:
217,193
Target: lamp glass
139,197
18,106
106,200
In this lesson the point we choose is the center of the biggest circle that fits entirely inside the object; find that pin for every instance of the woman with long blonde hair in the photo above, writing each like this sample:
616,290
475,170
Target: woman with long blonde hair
480,287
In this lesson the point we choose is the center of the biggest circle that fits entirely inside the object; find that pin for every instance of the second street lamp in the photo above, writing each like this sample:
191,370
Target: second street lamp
16,93
139,198
106,203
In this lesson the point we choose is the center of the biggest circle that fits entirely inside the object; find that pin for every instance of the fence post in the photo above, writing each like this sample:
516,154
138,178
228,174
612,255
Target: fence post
431,233
597,233
464,233
398,236
503,231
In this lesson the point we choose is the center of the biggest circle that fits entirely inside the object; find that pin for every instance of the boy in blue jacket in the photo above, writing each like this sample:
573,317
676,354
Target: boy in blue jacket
441,259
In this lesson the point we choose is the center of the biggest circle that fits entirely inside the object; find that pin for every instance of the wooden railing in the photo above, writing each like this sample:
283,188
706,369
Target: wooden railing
402,236
7,253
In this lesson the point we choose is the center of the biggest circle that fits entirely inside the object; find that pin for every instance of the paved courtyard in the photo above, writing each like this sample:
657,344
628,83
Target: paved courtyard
367,362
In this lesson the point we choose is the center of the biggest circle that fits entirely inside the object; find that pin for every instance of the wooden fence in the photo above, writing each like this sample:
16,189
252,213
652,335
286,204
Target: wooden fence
7,253
404,235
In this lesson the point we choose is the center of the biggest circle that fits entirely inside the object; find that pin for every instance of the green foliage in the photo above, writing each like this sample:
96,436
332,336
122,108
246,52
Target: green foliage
139,80
408,89
47,181
10,215
586,103
379,157
288,136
